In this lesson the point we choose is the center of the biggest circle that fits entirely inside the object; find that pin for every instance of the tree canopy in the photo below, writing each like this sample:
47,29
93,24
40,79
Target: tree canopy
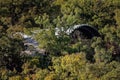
96,58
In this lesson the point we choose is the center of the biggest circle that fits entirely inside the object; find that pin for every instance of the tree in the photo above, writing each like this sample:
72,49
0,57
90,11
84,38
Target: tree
10,53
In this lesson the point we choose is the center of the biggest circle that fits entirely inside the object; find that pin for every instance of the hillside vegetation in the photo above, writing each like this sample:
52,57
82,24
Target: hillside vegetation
87,59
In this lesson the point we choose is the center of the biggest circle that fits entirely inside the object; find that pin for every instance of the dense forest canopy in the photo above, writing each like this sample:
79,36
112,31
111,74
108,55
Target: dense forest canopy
97,58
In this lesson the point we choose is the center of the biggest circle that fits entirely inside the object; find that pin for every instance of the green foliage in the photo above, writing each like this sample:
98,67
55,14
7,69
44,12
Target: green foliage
95,59
16,78
68,67
41,74
103,71
117,17
10,50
